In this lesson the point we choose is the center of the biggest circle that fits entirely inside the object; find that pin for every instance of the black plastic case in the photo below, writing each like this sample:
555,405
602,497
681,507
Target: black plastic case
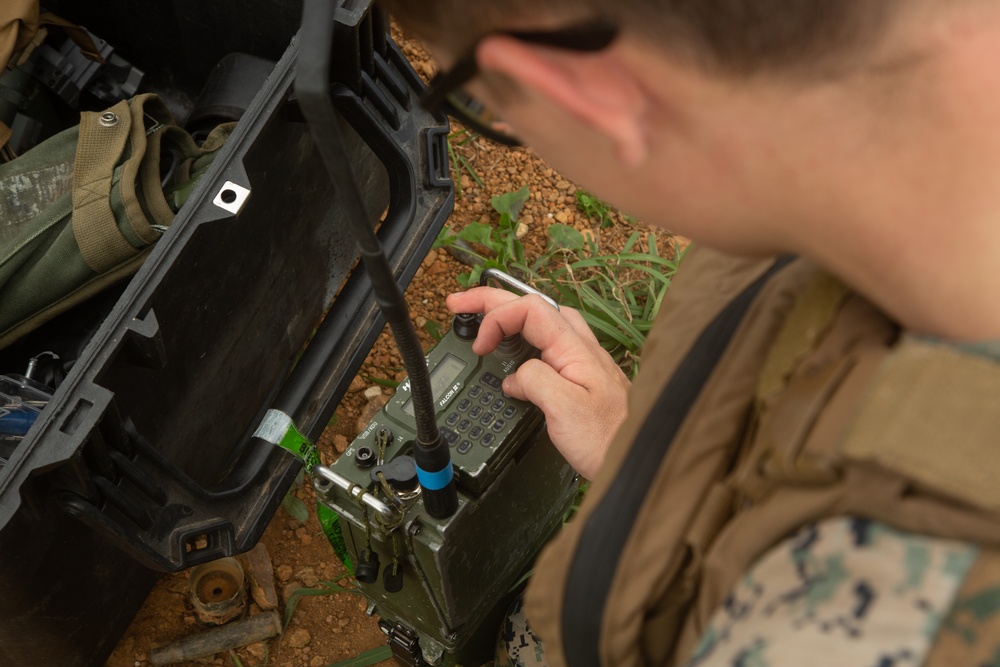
145,459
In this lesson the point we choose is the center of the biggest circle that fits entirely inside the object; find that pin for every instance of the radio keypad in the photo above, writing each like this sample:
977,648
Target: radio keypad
482,421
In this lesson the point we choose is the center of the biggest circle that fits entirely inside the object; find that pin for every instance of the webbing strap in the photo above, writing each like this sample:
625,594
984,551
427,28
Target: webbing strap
99,149
811,316
609,526
932,414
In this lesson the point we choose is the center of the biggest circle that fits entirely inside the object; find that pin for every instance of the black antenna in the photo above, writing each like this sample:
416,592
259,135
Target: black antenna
312,88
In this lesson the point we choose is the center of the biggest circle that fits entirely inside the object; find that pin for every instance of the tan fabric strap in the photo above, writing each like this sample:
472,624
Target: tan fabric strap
809,320
932,415
77,35
101,146
140,179
18,25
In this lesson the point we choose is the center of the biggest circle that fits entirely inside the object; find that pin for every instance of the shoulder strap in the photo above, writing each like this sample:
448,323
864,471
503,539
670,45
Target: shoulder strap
584,600
932,414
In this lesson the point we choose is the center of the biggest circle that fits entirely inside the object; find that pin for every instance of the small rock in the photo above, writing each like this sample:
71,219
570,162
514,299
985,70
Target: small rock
522,230
437,268
305,539
421,321
284,572
562,216
372,393
258,650
340,443
307,575
299,638
317,661
370,410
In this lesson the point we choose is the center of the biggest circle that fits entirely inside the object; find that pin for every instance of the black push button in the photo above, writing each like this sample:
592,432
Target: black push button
487,398
464,447
510,411
498,405
476,432
487,419
488,439
464,425
476,412
452,419
498,425
464,404
491,380
449,436
475,390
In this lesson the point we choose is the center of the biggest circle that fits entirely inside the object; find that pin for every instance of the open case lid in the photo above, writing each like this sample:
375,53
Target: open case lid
149,441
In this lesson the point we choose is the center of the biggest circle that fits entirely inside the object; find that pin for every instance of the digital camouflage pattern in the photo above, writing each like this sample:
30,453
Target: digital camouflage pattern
842,592
970,633
517,646
847,591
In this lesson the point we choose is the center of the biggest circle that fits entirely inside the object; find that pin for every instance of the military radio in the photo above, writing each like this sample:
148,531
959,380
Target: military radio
441,585
446,497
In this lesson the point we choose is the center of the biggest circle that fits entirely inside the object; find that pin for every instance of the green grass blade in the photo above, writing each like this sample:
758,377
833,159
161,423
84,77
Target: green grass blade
372,656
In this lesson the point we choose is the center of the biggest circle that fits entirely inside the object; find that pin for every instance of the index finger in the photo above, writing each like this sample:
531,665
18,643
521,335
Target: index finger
486,299
478,300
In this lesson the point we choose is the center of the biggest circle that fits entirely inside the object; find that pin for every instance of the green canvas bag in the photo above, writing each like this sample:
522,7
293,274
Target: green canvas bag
81,210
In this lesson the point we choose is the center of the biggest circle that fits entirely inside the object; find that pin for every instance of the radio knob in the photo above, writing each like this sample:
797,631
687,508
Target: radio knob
466,326
510,347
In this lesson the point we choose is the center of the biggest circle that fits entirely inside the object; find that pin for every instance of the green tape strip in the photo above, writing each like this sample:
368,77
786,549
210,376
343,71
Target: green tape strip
301,447
279,429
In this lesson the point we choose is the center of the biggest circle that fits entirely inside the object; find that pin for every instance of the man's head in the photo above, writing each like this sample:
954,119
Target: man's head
845,130
740,36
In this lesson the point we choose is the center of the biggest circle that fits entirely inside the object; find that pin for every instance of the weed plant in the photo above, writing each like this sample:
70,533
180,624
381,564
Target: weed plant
618,293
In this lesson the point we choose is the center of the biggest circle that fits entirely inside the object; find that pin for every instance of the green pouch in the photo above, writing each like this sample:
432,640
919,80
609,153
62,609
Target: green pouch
81,210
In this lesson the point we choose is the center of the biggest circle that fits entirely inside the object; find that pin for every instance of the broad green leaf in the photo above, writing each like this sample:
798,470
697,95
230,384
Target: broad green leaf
295,507
477,232
511,203
566,237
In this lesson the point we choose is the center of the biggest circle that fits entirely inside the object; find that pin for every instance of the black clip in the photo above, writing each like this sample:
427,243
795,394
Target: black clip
404,644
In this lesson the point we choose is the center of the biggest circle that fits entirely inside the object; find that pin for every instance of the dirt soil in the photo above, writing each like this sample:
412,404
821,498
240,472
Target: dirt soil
330,628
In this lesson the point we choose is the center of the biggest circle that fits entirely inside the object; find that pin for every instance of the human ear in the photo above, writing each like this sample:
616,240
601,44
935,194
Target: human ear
596,88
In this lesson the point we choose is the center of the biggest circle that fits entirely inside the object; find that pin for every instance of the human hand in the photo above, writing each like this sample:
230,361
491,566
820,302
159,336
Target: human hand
576,383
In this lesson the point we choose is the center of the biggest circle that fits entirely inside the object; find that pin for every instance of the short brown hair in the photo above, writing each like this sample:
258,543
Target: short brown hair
736,36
